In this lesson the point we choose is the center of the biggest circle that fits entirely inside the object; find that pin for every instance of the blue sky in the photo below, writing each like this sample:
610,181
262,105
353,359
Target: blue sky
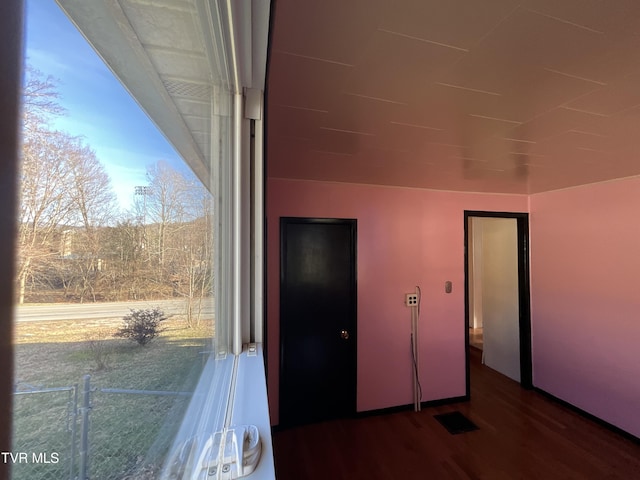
98,107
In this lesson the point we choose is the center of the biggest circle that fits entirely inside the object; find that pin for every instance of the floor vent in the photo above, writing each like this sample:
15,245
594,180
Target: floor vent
455,422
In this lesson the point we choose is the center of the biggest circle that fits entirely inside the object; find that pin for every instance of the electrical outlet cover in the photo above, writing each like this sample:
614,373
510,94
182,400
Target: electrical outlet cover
411,300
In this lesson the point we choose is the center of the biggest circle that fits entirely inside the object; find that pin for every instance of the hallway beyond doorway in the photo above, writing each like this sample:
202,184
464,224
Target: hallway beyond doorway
475,338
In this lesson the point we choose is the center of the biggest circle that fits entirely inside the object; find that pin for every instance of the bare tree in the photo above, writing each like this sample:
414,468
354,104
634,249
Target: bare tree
39,100
64,190
191,254
45,202
72,240
125,275
167,204
93,208
179,210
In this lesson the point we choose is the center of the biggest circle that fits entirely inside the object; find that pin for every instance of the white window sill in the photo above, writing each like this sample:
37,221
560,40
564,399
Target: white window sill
206,413
251,408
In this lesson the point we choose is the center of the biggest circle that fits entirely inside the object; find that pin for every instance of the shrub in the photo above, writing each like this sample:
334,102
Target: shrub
99,348
142,325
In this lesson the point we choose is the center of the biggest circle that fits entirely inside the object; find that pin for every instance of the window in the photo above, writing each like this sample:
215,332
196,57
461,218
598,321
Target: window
211,240
88,402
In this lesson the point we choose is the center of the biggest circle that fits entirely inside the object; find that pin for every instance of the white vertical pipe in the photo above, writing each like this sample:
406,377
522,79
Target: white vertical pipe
236,180
417,350
414,359
233,48
413,356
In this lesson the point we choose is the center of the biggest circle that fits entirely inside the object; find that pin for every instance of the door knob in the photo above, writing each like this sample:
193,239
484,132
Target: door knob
344,335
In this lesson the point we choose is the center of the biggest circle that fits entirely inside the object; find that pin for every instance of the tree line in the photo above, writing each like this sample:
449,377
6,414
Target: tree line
76,244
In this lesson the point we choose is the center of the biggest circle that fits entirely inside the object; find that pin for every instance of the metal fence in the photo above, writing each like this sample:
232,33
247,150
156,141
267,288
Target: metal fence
131,431
45,422
94,433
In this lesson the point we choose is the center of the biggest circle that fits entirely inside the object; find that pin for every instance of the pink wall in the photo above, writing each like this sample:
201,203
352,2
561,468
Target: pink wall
406,237
585,267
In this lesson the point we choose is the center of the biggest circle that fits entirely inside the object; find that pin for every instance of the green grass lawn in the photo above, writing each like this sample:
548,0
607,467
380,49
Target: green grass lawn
128,433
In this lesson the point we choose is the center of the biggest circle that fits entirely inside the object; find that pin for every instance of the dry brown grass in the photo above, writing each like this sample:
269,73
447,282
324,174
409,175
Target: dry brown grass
59,353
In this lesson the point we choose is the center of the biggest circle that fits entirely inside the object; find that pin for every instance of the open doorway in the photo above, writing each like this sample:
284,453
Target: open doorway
497,306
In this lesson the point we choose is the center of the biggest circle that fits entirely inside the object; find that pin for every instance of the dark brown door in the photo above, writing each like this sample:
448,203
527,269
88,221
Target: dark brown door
317,320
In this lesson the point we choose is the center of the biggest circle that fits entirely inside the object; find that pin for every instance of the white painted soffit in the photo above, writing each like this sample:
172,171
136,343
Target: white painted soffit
172,56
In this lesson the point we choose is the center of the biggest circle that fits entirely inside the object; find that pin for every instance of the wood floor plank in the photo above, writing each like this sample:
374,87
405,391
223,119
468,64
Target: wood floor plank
522,435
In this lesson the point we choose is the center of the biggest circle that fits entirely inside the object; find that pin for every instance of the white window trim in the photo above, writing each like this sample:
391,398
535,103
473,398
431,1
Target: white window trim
238,286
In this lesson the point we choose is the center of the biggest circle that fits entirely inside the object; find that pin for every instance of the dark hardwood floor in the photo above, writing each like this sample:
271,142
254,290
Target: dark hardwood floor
522,435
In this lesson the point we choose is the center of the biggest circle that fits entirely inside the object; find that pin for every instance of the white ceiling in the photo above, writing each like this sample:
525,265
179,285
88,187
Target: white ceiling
513,96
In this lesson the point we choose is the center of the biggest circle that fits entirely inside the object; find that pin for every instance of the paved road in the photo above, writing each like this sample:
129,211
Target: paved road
84,311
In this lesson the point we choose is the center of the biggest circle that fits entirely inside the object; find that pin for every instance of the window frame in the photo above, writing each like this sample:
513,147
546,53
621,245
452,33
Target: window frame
11,34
